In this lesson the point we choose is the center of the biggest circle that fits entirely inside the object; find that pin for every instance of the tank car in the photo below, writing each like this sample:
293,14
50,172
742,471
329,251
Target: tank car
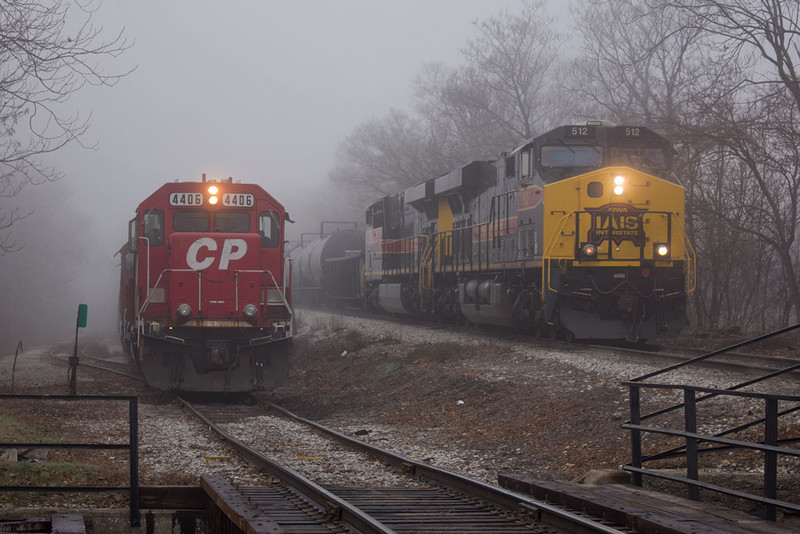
204,303
579,232
328,270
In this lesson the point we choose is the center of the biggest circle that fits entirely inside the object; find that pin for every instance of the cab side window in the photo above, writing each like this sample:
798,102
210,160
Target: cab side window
269,228
153,222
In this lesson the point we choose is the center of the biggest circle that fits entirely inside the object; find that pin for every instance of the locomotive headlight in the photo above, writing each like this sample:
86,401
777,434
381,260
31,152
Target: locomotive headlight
588,251
619,185
661,250
184,310
213,190
250,311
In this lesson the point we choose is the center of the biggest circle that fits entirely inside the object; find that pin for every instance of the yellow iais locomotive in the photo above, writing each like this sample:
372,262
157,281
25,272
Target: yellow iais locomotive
579,232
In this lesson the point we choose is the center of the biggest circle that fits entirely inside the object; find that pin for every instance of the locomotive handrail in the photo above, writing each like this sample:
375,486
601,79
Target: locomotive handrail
281,293
688,252
200,287
691,260
547,253
147,248
426,258
158,281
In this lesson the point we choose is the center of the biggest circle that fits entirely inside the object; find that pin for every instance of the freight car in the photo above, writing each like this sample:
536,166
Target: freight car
328,270
204,304
578,233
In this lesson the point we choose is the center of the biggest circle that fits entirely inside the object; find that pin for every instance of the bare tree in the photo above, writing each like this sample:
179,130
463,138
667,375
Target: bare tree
456,115
751,29
758,133
637,65
48,51
498,98
386,155
752,111
503,90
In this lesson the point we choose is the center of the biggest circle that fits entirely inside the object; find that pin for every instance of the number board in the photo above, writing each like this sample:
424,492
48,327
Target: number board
186,199
238,200
635,135
579,131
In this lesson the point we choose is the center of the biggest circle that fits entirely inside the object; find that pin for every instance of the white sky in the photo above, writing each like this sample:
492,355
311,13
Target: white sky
262,91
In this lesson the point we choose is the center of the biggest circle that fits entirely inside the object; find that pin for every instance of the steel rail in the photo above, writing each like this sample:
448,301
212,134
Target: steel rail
338,508
544,512
58,357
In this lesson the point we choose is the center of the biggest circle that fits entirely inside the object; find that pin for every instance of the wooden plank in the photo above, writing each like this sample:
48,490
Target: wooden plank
643,510
237,508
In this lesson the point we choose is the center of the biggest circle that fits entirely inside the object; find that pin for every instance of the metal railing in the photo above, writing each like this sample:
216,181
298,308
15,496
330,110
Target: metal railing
265,287
736,438
132,446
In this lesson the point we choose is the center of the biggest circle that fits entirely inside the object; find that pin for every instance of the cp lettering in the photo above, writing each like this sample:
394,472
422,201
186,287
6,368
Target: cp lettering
200,254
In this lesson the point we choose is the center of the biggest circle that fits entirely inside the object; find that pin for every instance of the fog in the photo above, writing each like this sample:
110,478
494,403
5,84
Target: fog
262,91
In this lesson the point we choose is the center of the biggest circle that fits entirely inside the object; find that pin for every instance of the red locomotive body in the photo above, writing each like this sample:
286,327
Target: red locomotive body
204,305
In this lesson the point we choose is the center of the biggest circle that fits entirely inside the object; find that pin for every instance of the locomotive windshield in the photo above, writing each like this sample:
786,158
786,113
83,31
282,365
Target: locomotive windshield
638,157
572,156
232,221
190,221
573,149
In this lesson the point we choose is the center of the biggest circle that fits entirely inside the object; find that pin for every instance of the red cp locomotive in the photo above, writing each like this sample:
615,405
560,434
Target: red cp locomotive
204,304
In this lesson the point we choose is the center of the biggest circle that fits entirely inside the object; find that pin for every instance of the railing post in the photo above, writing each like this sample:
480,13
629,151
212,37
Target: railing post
133,441
636,435
770,457
690,426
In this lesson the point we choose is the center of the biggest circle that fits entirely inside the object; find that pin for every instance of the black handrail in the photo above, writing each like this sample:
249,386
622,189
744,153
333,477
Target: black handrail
771,447
132,446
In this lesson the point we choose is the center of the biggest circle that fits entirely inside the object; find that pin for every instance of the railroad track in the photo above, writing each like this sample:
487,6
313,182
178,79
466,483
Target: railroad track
126,369
417,498
422,495
420,498
735,361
